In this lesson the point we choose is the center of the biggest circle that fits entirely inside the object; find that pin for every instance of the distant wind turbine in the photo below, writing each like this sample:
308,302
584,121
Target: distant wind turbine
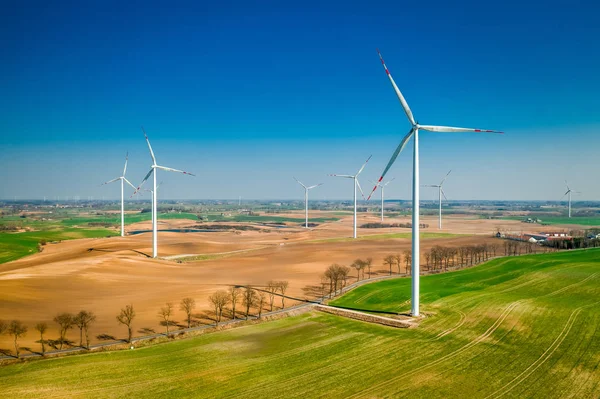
440,193
382,185
569,192
154,168
356,184
123,180
306,199
414,131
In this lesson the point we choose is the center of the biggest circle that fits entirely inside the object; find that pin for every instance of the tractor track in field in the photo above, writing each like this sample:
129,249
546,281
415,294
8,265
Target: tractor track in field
509,386
450,355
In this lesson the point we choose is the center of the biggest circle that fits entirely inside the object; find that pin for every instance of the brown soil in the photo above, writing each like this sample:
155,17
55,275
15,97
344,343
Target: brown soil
103,275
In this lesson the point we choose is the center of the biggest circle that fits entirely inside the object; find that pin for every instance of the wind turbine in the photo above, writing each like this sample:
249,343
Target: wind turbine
151,197
440,193
306,199
154,168
382,185
356,183
123,180
569,191
414,131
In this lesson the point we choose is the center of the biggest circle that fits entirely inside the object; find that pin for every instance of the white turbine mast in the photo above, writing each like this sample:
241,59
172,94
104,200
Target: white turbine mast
414,131
306,189
356,184
153,171
382,185
569,192
123,180
441,192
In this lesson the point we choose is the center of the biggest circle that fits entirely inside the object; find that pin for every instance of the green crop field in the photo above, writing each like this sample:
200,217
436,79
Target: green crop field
16,245
514,327
582,221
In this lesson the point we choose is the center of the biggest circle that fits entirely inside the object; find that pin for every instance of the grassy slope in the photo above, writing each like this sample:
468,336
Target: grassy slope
525,327
16,245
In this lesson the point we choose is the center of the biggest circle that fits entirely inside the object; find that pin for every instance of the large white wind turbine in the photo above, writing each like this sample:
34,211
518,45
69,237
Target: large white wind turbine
154,168
382,185
414,131
440,193
306,199
569,192
123,180
356,184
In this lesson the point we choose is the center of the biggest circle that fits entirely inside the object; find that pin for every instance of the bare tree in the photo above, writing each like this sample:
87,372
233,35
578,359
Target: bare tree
65,323
17,330
368,263
283,286
126,318
42,328
165,313
188,305
389,260
261,303
398,259
272,288
358,264
249,299
234,293
82,320
407,259
3,327
87,322
219,300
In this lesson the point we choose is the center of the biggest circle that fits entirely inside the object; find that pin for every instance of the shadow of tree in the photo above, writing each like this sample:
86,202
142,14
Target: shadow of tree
146,331
106,337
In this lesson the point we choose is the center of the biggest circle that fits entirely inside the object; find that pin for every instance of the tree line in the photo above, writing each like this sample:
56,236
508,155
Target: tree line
251,299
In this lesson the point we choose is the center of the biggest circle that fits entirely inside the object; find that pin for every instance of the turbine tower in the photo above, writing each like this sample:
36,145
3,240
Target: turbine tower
382,185
414,131
440,193
306,199
154,168
569,192
123,180
356,184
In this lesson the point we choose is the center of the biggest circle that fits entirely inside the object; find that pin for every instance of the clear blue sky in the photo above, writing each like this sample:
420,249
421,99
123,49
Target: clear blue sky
247,96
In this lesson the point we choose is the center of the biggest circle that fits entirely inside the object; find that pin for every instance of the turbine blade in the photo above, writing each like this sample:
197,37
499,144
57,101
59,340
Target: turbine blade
149,147
111,181
346,176
365,164
315,186
429,185
128,182
444,194
393,159
174,170
449,129
143,181
360,188
445,177
389,181
125,168
403,102
299,182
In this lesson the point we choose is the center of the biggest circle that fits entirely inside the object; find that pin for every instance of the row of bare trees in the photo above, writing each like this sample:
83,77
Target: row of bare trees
249,297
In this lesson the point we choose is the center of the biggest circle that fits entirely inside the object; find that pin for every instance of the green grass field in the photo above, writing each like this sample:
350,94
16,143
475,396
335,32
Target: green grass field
16,245
519,327
582,221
